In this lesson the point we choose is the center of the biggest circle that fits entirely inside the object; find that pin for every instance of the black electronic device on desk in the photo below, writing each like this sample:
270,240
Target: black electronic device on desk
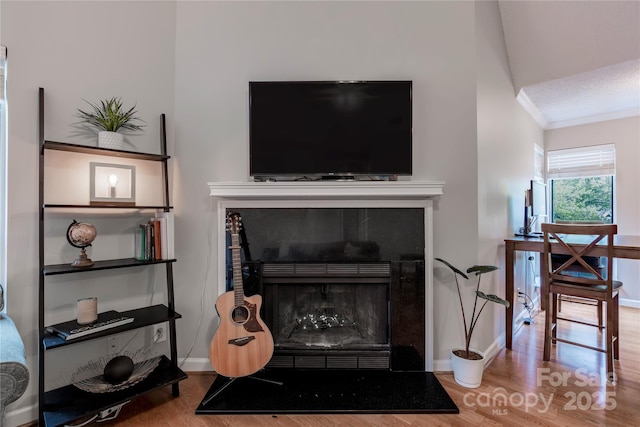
535,234
535,208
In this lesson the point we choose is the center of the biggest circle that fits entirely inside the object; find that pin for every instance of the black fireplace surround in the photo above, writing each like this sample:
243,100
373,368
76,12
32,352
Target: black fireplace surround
342,288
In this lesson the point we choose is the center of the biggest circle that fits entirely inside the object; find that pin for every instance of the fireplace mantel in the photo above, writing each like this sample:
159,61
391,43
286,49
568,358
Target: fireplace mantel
327,189
334,194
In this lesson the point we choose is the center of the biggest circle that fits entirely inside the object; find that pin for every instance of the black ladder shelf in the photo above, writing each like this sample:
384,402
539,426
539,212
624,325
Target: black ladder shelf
66,404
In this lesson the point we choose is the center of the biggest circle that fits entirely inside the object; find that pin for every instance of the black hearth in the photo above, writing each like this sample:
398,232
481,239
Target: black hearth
290,391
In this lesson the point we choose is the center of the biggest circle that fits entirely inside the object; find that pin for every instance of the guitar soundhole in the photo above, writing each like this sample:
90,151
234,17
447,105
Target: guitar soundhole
240,314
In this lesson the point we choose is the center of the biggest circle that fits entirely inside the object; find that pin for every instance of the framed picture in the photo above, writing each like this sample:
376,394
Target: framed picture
112,184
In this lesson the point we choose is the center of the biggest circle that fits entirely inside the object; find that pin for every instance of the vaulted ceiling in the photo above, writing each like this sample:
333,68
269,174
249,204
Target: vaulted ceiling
574,62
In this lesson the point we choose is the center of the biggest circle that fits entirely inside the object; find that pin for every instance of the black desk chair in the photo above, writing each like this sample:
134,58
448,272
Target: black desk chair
595,285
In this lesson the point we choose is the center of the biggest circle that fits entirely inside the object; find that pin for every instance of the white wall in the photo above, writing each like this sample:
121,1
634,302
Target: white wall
506,135
207,52
625,134
73,50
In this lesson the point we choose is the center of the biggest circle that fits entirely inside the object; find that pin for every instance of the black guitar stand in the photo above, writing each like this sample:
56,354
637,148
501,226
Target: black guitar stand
231,381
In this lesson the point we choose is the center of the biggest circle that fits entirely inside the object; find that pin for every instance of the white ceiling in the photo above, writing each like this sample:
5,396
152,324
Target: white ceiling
574,62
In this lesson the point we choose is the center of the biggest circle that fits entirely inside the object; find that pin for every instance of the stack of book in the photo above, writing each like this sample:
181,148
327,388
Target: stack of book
72,329
154,239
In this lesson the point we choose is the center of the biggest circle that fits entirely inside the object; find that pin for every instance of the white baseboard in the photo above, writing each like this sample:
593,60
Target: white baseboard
443,365
194,364
20,416
633,303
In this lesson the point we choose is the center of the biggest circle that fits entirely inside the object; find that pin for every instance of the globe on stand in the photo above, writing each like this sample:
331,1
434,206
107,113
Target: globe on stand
80,235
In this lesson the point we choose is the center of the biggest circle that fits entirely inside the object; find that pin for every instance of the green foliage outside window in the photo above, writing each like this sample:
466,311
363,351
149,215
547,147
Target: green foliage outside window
583,199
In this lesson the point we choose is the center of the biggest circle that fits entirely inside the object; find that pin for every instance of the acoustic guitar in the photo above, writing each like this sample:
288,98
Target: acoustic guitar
242,344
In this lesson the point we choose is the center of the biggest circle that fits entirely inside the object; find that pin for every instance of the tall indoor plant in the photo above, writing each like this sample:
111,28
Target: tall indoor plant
468,364
108,117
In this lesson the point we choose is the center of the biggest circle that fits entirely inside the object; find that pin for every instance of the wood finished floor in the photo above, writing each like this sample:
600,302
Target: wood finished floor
518,389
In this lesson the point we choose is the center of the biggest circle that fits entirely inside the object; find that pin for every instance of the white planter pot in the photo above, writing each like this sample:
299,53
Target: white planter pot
467,373
113,140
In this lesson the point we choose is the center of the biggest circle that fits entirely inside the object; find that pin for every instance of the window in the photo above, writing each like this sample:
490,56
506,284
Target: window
582,183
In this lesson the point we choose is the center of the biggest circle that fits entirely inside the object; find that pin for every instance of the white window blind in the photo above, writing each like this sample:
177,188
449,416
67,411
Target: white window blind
598,160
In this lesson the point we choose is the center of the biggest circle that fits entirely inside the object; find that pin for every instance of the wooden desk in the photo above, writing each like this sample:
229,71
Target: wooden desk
623,247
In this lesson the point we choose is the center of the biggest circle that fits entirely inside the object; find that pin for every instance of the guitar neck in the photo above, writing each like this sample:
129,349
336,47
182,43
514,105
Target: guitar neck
238,291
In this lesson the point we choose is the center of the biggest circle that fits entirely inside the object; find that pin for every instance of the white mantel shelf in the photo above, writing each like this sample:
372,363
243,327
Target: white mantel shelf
327,189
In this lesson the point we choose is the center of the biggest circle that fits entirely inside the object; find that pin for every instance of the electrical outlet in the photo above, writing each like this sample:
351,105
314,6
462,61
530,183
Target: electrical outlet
113,344
159,332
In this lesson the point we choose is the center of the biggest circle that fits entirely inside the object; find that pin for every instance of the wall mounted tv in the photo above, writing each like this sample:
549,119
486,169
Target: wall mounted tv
330,129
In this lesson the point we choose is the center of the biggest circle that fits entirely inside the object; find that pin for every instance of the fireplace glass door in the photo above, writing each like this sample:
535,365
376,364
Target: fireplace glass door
317,316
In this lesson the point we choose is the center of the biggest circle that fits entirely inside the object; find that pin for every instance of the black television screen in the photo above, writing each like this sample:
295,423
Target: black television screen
330,128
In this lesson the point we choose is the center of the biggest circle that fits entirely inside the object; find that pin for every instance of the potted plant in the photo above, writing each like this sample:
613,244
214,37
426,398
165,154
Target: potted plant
109,116
467,363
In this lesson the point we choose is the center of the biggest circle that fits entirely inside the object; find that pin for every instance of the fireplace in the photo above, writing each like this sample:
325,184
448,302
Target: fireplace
344,270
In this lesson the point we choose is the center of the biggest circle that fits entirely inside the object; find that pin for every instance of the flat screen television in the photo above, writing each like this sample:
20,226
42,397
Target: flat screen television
330,128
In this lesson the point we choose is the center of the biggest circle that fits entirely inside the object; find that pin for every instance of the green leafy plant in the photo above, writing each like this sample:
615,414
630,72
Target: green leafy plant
478,270
109,115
